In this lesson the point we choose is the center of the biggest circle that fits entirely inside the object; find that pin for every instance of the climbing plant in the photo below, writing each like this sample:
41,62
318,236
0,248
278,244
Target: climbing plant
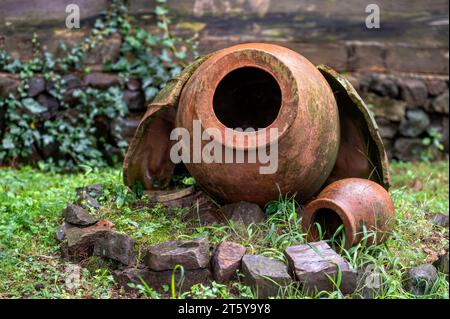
71,137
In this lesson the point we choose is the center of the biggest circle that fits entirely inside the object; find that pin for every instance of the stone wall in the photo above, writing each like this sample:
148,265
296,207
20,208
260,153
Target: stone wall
401,69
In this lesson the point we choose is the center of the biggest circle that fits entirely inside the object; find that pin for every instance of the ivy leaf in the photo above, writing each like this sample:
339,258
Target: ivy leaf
7,143
33,106
161,11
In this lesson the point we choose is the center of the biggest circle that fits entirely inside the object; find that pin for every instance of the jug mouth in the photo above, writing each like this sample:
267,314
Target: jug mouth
250,94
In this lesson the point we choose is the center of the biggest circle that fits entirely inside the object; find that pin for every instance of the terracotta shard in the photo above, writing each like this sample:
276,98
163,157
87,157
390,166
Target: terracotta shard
361,150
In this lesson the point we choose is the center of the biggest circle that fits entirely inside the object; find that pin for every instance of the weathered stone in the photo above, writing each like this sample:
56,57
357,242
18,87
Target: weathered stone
108,51
135,100
116,246
100,80
414,92
86,200
191,254
420,279
265,275
442,263
157,279
226,260
76,215
94,190
315,263
128,126
414,123
387,128
8,84
440,103
36,85
50,103
384,107
243,212
440,219
72,83
435,86
60,234
384,85
134,84
408,149
80,241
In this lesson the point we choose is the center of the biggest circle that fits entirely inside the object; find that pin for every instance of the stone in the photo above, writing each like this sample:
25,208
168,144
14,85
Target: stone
191,254
81,241
440,103
116,246
313,265
414,92
135,100
266,276
226,260
77,215
128,126
36,86
440,219
387,128
442,263
157,279
435,86
243,212
408,149
108,51
384,86
134,84
50,103
414,123
385,107
420,279
60,234
94,190
101,80
72,83
85,199
8,84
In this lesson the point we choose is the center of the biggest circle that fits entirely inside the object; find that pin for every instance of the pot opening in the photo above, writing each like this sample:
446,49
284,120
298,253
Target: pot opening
328,223
247,97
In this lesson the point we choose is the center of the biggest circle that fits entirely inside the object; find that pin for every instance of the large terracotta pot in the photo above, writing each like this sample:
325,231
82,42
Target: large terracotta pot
357,204
262,86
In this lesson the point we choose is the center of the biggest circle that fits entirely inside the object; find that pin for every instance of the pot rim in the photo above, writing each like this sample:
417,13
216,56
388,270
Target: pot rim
325,203
223,63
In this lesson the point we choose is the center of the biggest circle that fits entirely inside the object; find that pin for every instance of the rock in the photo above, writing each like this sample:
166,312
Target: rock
312,264
226,260
408,149
135,100
414,123
442,263
117,247
106,51
157,279
76,215
81,241
191,254
440,103
72,83
94,190
87,196
50,103
420,279
244,213
414,92
265,275
36,86
8,84
134,84
387,128
61,231
128,126
385,107
440,220
435,86
101,80
384,86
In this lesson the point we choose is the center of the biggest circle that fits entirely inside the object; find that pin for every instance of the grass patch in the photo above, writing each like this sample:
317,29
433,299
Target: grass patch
30,211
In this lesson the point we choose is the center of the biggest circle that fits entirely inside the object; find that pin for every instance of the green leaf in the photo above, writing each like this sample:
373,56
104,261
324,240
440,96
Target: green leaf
33,106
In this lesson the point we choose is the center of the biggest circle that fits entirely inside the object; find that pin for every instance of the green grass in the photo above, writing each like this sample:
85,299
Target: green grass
30,210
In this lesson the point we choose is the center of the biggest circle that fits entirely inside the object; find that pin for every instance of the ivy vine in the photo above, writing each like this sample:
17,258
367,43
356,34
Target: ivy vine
71,137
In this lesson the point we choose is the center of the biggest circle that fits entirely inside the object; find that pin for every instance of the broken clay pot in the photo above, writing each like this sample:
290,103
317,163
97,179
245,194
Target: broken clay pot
357,204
